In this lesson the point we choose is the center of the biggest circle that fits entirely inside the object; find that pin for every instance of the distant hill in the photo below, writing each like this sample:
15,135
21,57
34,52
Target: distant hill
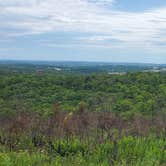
79,67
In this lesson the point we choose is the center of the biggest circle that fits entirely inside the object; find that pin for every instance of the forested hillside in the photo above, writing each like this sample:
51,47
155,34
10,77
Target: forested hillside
60,118
131,93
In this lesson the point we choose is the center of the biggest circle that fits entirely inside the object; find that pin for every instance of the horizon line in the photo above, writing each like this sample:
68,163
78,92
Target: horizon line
78,61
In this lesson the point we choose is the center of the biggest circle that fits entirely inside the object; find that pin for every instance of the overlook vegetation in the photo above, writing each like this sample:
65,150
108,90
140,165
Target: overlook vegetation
131,93
55,118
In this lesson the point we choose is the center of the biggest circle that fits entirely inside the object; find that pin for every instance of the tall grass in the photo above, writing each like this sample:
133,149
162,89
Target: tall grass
128,151
81,139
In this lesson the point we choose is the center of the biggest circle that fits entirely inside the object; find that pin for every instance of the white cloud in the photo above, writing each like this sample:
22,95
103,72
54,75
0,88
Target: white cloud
102,2
20,17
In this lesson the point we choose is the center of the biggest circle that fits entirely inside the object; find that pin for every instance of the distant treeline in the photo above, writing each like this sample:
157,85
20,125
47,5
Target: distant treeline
76,67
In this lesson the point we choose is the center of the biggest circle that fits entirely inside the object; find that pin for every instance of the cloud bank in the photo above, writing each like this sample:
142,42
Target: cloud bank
112,28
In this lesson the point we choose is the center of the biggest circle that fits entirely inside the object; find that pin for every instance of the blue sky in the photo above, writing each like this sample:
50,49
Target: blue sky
83,30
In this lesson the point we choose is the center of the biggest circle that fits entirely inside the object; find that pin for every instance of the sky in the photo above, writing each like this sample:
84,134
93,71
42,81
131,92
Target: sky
83,30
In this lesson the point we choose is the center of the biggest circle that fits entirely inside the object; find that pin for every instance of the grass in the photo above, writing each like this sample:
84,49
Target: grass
128,151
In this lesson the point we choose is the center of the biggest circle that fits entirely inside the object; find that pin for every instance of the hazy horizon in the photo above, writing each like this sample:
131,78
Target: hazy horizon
77,61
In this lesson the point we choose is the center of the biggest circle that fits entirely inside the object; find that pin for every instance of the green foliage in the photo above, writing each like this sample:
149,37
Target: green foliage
134,92
128,151
49,92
